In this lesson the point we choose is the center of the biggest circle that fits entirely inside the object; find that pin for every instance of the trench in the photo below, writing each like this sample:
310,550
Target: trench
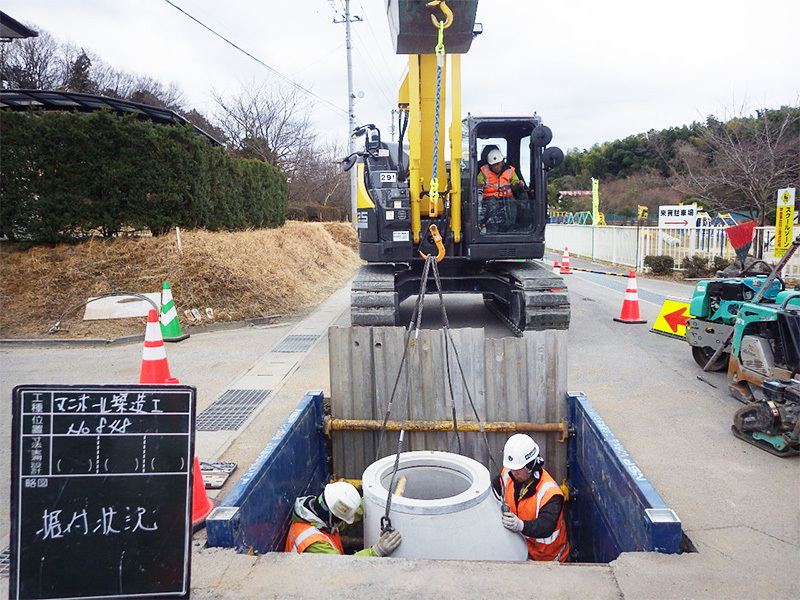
447,502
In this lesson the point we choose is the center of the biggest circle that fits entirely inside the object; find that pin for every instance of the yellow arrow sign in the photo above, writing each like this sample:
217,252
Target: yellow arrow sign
672,317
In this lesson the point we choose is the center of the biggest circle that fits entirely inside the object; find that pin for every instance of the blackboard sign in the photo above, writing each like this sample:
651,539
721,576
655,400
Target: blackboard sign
101,491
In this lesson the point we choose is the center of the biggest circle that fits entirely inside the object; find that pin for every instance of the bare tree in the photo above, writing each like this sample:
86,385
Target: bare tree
33,63
738,166
320,187
267,122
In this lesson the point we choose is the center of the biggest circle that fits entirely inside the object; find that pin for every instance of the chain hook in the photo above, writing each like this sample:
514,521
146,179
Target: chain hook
448,14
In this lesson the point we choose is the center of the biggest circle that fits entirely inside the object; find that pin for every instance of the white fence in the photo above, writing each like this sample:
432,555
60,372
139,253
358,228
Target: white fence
627,246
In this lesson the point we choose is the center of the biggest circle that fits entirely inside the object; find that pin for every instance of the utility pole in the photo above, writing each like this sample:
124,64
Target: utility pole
347,19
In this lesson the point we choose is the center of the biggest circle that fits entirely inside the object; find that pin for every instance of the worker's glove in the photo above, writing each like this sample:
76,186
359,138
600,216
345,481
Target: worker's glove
512,522
387,543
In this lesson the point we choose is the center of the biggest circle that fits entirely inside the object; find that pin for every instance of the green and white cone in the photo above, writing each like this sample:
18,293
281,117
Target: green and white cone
170,326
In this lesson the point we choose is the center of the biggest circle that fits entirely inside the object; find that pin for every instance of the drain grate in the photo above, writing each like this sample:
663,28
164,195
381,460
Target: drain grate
229,411
5,562
296,343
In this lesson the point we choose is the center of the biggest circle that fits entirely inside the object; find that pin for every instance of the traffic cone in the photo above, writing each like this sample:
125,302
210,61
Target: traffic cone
555,267
170,325
154,357
565,269
630,306
201,503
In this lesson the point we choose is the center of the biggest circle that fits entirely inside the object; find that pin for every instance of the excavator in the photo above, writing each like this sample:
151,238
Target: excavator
420,204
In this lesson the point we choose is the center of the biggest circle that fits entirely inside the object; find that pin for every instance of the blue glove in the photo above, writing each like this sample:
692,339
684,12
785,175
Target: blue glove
512,522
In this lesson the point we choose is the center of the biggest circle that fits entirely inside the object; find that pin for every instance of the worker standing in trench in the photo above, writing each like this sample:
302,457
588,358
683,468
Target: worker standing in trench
533,501
317,520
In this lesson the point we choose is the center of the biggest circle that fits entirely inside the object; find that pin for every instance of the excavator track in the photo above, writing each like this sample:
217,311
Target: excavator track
540,299
373,299
533,299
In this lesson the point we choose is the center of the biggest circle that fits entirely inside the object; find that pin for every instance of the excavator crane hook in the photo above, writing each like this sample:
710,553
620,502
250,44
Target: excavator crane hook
445,9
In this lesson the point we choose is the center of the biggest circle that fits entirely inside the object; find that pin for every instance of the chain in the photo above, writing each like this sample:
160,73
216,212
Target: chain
433,194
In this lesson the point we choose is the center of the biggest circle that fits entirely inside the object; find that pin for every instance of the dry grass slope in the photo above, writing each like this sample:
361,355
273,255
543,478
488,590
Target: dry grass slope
240,275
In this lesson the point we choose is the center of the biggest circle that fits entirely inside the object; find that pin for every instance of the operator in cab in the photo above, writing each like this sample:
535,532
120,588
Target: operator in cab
500,182
535,501
318,520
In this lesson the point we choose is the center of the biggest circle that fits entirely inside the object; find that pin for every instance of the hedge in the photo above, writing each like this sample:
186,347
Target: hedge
66,174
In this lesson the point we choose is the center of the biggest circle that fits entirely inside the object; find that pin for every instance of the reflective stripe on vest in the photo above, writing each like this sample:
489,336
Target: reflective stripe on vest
497,185
308,532
539,496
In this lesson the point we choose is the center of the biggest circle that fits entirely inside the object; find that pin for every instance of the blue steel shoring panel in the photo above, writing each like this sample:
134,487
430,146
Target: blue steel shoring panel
608,515
293,464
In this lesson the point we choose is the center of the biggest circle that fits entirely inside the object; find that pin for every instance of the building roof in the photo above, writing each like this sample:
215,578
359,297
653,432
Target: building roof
75,101
11,28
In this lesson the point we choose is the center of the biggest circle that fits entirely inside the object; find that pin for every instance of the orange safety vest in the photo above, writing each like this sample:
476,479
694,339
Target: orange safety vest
554,547
497,185
302,535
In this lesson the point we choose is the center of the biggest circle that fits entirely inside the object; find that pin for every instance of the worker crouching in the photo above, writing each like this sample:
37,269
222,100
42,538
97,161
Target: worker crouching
318,520
535,502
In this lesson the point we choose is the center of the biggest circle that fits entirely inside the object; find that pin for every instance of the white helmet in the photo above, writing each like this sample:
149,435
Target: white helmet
494,157
342,499
520,449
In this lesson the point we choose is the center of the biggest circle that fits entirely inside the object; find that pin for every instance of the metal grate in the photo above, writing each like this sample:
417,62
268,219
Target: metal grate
230,411
5,562
296,343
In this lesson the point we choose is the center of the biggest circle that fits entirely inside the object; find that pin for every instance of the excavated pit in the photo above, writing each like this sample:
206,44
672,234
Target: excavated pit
447,509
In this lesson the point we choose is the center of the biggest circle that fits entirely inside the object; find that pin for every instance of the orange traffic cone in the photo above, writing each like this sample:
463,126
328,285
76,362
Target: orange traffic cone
630,307
201,503
555,267
154,357
565,269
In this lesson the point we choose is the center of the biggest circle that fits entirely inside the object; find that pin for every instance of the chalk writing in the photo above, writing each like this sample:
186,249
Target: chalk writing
105,521
116,403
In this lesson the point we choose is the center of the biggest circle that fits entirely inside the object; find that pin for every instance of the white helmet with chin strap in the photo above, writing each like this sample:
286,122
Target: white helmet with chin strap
494,157
519,451
342,499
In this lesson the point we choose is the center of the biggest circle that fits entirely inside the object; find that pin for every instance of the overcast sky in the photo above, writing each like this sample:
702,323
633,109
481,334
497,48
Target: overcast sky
595,71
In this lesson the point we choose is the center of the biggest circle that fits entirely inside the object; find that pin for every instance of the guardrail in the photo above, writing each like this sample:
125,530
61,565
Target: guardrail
627,246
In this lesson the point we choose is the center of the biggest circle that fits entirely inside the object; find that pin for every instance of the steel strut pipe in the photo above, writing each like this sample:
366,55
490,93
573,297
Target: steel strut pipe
333,424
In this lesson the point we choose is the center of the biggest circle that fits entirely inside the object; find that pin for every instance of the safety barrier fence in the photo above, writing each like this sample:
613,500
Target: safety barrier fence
628,246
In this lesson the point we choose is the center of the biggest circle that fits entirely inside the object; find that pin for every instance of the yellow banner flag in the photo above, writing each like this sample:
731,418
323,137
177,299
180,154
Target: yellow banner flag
784,221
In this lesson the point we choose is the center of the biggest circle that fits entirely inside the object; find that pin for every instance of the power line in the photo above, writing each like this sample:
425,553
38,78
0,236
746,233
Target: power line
329,104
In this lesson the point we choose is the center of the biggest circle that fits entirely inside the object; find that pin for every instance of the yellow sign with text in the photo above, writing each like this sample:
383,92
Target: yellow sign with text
672,318
784,221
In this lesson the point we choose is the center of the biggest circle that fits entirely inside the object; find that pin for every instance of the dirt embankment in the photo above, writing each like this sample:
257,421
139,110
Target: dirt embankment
239,275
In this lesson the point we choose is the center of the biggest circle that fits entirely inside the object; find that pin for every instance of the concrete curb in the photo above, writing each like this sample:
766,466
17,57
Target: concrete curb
130,339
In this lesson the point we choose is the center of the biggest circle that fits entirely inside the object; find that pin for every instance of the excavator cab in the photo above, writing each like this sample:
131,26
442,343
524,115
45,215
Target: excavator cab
512,227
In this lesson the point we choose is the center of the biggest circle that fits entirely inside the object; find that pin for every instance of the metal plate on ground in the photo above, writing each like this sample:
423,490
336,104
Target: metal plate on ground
120,307
296,343
231,410
215,474
5,562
